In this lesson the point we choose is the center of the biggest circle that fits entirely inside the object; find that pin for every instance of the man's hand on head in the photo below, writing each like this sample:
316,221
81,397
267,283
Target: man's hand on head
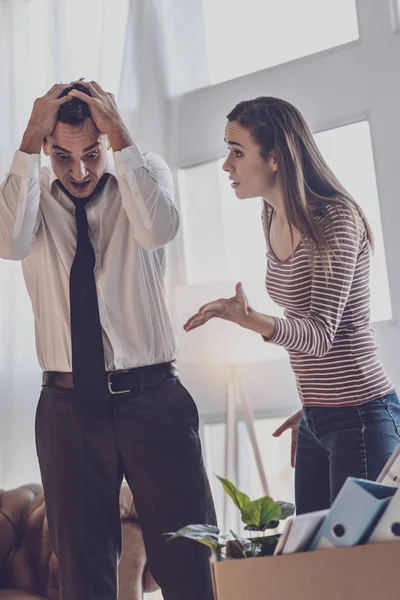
104,112
43,118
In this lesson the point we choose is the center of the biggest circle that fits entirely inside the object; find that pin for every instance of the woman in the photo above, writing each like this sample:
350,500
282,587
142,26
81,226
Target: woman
319,244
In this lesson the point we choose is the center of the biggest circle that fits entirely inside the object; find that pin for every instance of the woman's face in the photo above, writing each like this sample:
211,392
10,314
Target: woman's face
252,175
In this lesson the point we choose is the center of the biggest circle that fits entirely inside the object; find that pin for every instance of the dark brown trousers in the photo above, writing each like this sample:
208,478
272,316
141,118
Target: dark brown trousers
152,438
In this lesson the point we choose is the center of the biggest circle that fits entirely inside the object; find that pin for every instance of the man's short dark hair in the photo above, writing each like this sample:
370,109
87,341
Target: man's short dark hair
76,111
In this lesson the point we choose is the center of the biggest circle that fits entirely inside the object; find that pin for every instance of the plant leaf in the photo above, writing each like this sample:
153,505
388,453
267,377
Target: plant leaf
204,534
287,509
244,543
260,512
270,511
272,525
241,500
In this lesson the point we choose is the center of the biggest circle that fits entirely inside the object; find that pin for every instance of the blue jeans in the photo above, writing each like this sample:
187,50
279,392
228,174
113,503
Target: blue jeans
336,443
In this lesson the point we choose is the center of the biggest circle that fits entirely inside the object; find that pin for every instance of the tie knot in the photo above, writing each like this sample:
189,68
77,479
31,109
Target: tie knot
80,203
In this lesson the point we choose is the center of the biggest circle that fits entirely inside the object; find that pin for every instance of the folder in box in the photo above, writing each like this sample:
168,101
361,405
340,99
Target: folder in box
388,526
390,474
353,514
299,531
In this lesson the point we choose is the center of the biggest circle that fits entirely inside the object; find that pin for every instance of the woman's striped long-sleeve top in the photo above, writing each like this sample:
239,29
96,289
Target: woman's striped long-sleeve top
327,328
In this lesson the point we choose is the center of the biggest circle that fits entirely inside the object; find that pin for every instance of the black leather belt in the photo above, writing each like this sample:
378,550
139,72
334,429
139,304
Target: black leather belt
121,382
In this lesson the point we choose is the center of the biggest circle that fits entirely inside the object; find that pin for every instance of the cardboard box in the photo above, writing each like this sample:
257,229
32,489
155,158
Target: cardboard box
358,573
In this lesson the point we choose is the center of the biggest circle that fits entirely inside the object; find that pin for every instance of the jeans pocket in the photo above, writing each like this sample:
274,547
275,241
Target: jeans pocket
392,404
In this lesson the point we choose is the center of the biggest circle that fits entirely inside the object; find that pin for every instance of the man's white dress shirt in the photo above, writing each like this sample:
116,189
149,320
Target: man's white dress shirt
130,223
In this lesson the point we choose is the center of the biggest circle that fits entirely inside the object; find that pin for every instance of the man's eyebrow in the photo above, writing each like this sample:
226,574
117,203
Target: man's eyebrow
232,143
55,147
90,147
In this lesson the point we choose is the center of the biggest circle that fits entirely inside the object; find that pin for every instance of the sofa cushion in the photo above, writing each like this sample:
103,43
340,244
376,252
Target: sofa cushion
18,595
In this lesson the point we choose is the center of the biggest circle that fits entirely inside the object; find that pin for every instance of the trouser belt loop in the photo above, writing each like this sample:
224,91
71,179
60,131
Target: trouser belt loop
142,384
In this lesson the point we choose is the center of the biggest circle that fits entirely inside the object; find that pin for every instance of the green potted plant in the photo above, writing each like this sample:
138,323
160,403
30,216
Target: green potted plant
258,516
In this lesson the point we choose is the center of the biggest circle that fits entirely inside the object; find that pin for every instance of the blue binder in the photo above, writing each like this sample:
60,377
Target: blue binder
353,514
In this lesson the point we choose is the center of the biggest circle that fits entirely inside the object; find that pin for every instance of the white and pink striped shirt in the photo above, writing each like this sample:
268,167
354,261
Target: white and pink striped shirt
327,329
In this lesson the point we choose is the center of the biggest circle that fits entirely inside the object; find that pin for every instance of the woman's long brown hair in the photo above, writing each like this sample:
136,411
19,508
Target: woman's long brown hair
308,183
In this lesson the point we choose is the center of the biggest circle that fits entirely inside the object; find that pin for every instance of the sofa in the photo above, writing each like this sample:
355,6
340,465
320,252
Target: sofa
28,565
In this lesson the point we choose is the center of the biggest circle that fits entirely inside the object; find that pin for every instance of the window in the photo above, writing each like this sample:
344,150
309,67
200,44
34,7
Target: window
395,14
215,40
348,151
66,44
223,236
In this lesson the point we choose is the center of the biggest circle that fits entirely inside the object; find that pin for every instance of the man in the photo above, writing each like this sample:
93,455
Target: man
91,233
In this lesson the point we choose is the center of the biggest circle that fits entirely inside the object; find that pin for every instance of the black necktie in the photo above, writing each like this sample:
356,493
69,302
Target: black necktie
89,374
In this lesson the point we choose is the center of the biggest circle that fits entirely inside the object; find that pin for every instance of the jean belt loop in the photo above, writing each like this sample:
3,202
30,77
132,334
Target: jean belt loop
307,418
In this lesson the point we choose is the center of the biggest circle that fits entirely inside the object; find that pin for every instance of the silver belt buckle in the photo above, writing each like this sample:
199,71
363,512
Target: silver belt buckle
109,382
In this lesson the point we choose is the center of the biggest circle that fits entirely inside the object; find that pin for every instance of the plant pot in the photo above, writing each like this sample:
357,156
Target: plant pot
232,549
266,548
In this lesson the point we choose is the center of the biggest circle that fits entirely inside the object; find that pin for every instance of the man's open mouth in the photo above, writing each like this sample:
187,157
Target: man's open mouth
81,185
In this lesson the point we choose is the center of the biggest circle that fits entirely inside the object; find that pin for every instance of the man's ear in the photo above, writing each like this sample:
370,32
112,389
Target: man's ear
45,147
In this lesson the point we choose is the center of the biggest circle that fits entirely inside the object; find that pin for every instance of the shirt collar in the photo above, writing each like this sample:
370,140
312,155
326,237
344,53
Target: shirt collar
110,168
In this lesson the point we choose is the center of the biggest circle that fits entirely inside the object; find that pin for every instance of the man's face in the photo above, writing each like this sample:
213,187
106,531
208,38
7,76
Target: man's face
78,156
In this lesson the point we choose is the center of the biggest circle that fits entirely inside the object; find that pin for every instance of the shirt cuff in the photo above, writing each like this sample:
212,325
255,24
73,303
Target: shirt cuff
25,165
129,159
279,335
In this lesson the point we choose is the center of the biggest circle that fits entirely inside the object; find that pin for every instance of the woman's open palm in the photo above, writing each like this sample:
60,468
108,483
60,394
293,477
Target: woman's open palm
235,309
